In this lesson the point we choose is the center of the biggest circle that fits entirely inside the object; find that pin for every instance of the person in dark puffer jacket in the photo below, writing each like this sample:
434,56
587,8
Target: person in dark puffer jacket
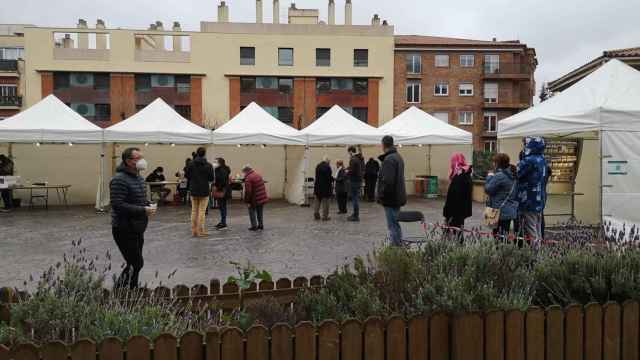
392,193
130,214
255,195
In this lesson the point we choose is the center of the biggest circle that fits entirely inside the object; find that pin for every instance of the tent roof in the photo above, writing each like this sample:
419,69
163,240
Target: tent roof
416,127
254,125
338,127
49,120
607,99
157,123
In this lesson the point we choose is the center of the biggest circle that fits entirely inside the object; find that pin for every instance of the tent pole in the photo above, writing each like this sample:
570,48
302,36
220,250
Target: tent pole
602,157
284,184
304,181
429,161
10,151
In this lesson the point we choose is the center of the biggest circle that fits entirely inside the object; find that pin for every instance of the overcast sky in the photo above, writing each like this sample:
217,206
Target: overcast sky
565,33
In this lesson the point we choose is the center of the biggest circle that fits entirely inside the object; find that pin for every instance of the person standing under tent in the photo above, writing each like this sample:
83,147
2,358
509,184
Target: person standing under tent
341,187
6,169
255,196
200,175
501,188
222,189
371,170
532,172
458,205
323,189
130,214
392,194
355,173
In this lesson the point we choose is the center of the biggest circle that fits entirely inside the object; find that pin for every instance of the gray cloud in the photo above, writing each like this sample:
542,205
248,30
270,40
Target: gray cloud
565,33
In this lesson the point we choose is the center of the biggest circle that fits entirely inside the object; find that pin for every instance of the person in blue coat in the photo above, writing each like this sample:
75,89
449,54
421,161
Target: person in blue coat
532,196
501,187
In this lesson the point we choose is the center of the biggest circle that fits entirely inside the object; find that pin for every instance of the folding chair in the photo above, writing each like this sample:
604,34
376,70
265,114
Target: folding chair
40,194
413,217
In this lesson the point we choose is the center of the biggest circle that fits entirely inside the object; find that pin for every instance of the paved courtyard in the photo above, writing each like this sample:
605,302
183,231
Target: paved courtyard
293,244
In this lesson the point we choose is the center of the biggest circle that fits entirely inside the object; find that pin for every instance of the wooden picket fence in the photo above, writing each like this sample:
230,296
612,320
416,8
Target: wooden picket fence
592,332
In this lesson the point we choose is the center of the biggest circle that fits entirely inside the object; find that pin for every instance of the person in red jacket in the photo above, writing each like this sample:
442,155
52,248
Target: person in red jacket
255,195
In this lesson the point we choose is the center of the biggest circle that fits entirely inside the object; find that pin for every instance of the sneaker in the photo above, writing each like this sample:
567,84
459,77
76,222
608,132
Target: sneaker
253,228
353,219
261,227
316,217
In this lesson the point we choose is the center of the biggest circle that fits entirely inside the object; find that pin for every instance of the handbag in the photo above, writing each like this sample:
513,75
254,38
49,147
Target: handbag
217,194
491,215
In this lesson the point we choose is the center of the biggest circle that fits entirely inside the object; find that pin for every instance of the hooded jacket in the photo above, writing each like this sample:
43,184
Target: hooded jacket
200,174
532,173
391,186
128,200
503,193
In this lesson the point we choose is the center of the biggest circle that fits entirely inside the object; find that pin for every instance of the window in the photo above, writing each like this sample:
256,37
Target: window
491,92
285,57
321,111
323,57
103,112
101,81
490,146
360,86
361,57
323,85
264,82
414,64
491,64
61,80
183,110
183,84
414,90
467,60
11,53
273,110
490,121
247,85
361,114
285,114
341,84
442,116
143,82
247,56
465,118
163,81
8,90
285,85
441,89
465,89
84,80
442,60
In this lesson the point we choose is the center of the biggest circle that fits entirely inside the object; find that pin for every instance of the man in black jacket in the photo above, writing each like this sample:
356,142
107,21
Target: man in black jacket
371,171
392,194
6,169
130,214
323,189
355,173
200,175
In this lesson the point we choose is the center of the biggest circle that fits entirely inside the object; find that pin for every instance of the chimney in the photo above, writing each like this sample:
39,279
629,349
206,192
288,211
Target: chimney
276,11
376,20
494,39
67,42
258,11
159,39
348,13
101,38
83,38
332,12
223,12
385,23
177,40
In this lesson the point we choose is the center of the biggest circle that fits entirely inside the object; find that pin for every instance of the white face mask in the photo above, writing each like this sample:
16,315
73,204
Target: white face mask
141,165
215,165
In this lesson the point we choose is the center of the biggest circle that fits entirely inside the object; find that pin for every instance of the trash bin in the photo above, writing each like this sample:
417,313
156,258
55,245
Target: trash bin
419,185
431,187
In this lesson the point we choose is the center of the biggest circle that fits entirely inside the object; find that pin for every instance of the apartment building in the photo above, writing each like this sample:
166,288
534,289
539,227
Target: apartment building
11,68
296,69
468,83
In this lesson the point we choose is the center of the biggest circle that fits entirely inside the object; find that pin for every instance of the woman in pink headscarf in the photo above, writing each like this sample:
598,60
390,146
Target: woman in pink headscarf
459,196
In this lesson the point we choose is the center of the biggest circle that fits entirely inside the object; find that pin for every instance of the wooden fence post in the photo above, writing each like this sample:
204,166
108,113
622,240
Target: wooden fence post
535,339
111,349
351,344
25,352
212,344
630,333
396,341
612,336
281,342
494,335
593,332
574,332
257,343
305,341
191,346
55,350
139,347
514,338
439,337
467,337
419,338
374,339
328,341
555,333
84,349
232,345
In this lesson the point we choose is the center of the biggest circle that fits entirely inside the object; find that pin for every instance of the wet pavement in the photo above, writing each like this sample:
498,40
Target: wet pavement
293,244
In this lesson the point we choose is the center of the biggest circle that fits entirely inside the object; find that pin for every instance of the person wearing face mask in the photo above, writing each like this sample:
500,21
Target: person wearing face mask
341,187
158,176
130,214
221,189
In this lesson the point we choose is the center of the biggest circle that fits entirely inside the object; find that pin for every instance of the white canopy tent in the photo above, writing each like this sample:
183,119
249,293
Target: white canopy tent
338,127
416,127
606,102
254,125
157,123
49,121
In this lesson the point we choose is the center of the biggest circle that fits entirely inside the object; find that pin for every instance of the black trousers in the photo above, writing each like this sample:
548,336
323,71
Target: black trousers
342,202
130,244
501,232
370,187
7,198
456,234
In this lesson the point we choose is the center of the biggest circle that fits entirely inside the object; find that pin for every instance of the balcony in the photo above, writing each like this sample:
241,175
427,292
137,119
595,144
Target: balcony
11,101
91,46
506,105
511,71
9,65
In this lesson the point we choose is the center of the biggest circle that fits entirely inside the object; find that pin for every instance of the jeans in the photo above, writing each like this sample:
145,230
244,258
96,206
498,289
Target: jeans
532,227
342,202
222,205
324,203
7,198
198,212
355,198
256,216
130,245
395,231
